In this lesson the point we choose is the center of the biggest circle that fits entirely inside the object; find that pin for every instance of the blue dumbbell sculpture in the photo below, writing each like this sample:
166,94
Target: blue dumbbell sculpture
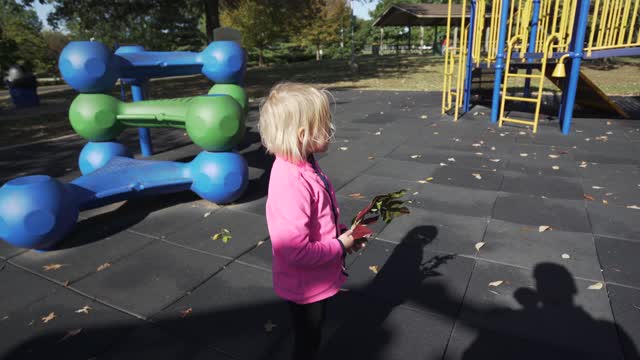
38,211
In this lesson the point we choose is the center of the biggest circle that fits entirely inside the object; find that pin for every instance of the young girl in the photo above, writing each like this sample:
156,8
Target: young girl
309,245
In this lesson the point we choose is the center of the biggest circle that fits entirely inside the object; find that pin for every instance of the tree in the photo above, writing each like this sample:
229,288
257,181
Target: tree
258,21
55,41
321,27
155,24
20,38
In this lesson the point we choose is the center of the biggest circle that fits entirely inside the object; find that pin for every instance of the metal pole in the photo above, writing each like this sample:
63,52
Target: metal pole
352,61
576,57
535,18
497,82
467,80
146,149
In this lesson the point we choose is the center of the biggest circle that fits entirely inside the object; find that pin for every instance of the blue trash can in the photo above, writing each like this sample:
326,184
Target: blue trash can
23,87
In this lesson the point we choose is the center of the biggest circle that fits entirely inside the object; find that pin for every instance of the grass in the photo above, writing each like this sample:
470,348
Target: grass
405,72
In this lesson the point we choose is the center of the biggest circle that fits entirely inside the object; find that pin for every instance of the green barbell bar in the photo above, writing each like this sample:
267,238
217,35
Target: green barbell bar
214,122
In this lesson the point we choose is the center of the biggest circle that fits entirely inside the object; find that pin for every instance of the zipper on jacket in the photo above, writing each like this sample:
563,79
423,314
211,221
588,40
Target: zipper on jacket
312,160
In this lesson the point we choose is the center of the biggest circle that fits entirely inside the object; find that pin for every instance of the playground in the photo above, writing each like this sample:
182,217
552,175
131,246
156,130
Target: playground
144,234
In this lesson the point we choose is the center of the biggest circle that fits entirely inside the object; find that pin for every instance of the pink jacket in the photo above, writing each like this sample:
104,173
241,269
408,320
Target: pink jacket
307,256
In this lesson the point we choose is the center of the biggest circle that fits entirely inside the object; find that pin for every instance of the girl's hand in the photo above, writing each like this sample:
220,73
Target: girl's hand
347,240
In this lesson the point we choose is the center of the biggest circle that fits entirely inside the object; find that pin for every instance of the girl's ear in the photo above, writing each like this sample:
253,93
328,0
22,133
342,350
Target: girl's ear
301,133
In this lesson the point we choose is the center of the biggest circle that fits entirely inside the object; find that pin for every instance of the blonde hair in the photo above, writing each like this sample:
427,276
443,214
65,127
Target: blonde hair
289,107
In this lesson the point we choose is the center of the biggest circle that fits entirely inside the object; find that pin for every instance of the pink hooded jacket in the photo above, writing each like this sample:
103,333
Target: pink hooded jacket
302,215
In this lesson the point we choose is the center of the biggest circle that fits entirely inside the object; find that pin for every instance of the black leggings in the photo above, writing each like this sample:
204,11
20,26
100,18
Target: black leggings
308,320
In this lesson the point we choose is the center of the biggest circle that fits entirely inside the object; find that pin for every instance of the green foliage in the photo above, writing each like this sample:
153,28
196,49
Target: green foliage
387,206
322,22
20,38
155,24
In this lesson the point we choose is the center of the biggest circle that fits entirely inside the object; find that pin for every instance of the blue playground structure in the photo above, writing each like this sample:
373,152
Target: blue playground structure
38,211
506,36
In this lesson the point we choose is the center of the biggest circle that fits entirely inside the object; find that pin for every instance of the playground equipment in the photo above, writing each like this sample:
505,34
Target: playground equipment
535,34
38,211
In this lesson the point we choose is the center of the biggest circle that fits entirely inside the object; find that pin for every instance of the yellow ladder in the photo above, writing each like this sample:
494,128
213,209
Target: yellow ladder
515,42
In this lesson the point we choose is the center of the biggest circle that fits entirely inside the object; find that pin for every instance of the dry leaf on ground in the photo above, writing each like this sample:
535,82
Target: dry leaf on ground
596,286
553,156
356,196
415,156
374,268
207,213
52,267
494,160
479,246
477,176
588,197
84,310
524,154
566,256
635,207
104,266
542,228
49,317
343,148
555,167
496,283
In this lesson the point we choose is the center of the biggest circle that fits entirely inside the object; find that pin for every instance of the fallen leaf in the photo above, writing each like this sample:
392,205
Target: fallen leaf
479,153
553,156
605,201
477,176
494,160
377,133
371,158
555,167
415,156
596,286
496,283
104,266
542,228
268,326
356,196
423,117
608,122
207,213
416,193
608,194
524,154
84,310
583,164
566,256
597,187
451,159
52,267
49,317
186,312
436,133
425,180
479,246
343,148
522,133
4,318
70,333
443,164
224,235
475,145
588,197
374,268
634,207
493,148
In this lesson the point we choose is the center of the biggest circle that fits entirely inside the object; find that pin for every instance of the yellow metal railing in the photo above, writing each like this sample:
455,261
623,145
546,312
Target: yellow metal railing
613,25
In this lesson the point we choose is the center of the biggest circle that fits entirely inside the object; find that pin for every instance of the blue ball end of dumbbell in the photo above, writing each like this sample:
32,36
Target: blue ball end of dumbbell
88,66
36,212
220,177
224,62
95,155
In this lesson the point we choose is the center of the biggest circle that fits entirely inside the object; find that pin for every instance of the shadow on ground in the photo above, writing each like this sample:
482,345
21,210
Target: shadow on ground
547,324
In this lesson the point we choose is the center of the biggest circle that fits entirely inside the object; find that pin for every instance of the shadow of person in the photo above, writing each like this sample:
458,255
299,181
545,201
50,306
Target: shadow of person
549,324
359,314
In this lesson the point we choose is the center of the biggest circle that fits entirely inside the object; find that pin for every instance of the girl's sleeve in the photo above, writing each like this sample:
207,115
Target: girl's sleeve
288,218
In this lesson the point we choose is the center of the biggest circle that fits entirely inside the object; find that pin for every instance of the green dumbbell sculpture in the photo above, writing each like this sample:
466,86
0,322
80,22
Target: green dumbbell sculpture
214,122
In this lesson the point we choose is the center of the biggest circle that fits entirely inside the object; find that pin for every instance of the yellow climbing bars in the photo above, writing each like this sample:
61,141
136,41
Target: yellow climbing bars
613,25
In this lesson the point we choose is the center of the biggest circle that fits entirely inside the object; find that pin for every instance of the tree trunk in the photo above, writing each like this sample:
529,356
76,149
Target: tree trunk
260,59
212,17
